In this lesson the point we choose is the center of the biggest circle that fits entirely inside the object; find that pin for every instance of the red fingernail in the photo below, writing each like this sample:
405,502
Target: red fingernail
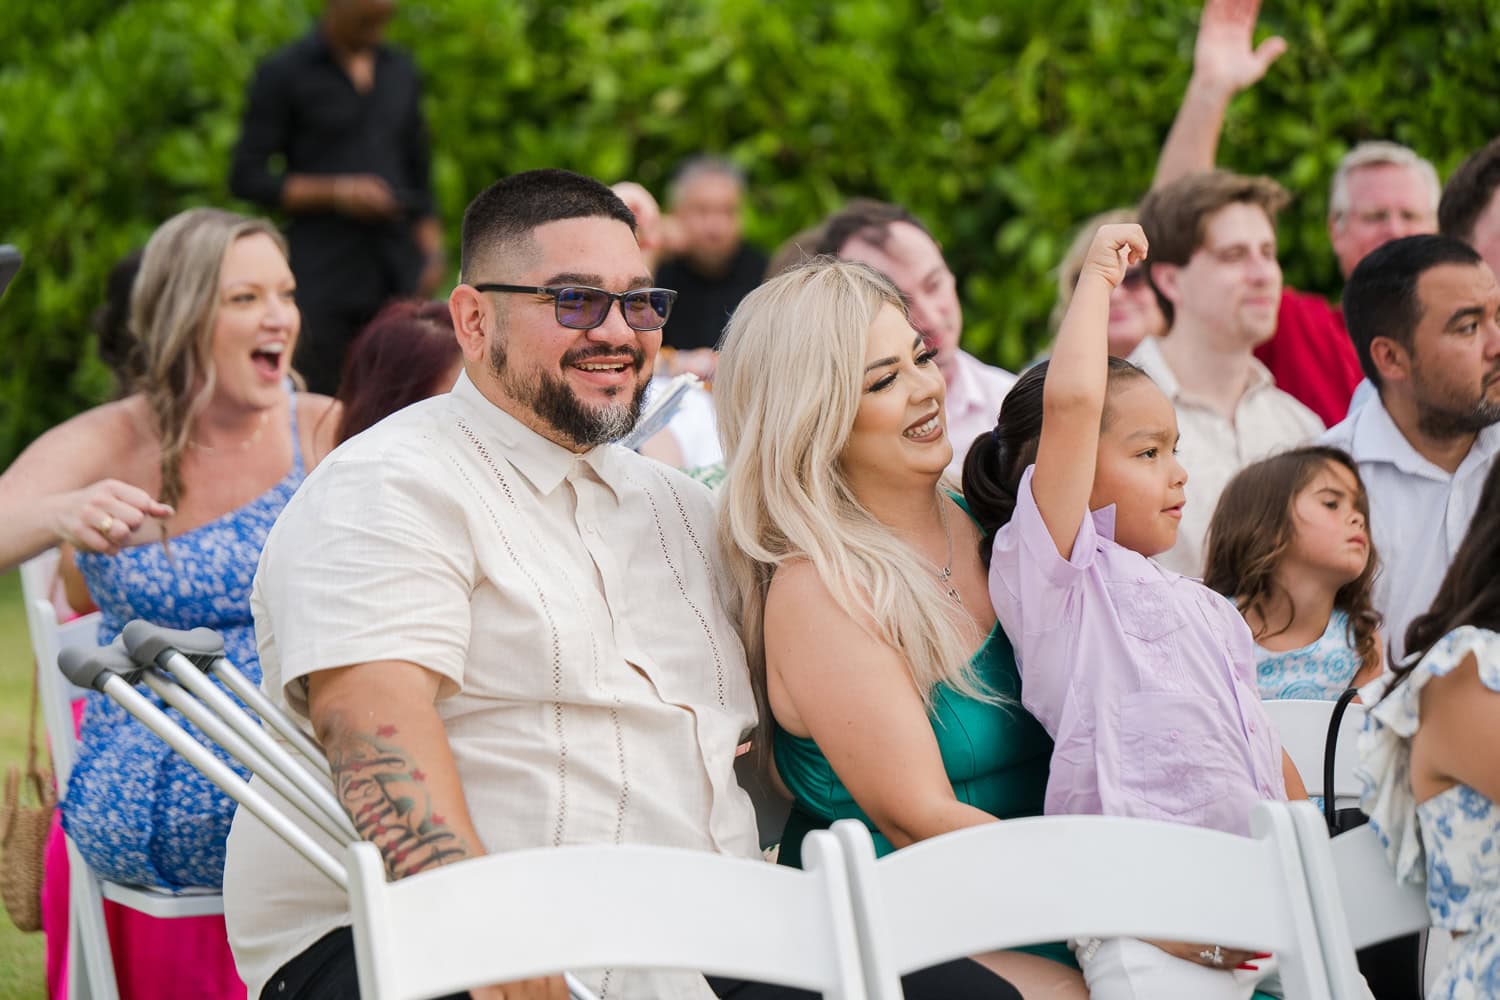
1247,965
1262,954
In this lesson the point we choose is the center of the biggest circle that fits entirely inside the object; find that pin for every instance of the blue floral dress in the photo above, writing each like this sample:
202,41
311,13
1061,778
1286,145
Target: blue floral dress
1320,671
1451,840
138,812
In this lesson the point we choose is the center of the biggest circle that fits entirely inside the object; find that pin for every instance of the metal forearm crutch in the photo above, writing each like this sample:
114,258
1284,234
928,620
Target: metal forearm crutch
153,652
180,655
110,671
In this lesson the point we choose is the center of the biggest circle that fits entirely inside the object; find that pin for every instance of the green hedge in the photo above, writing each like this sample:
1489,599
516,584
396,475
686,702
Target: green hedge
1003,123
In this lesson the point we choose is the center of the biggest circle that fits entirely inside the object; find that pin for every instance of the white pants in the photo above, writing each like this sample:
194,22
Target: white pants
1129,969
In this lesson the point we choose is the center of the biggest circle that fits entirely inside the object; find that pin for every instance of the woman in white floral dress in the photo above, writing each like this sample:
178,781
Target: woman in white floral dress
1431,758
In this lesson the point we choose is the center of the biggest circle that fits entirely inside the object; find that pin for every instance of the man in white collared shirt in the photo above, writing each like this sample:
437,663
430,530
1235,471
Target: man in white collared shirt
1214,268
888,238
504,631
1422,312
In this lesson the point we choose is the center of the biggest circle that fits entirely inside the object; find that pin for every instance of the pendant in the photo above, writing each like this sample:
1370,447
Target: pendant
944,578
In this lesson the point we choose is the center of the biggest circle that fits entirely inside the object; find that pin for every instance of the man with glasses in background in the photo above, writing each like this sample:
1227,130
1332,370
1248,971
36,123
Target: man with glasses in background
504,631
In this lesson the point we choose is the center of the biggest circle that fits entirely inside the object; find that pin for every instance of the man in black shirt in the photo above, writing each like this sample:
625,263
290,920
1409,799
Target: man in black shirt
342,112
713,269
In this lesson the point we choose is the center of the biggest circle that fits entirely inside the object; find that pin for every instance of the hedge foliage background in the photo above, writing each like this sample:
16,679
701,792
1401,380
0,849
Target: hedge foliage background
1002,123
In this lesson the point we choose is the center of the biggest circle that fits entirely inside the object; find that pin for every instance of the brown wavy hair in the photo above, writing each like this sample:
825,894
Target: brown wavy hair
1252,529
173,305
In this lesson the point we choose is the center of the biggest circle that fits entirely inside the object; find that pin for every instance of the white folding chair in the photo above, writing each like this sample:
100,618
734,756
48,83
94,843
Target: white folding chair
682,909
1357,902
1029,881
91,970
604,907
1304,733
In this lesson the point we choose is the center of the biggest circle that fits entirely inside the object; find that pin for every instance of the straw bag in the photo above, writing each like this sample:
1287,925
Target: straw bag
23,835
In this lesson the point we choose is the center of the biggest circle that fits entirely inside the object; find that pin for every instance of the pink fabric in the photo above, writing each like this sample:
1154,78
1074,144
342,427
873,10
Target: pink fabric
1144,679
182,959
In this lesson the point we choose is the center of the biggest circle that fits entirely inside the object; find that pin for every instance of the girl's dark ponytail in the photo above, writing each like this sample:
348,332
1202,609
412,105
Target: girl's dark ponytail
996,461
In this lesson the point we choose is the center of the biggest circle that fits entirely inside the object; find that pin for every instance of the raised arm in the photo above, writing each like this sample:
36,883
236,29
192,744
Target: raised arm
853,695
1224,63
1077,377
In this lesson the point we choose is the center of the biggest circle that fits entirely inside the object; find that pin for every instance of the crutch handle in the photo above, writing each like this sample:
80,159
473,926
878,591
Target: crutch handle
90,667
146,643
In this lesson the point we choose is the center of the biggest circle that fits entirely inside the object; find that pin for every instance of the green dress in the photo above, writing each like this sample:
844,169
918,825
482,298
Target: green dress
996,757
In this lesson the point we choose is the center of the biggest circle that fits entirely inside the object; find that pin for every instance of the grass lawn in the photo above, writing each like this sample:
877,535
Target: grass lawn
21,955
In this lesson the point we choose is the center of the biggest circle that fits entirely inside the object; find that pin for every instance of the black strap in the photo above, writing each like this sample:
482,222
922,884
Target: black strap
1330,751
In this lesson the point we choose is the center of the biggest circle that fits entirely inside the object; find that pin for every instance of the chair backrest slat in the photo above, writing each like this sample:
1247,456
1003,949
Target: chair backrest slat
1034,880
527,913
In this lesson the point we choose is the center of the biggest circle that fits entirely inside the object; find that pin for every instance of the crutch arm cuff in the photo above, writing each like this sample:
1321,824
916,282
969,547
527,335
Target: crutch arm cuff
90,668
147,642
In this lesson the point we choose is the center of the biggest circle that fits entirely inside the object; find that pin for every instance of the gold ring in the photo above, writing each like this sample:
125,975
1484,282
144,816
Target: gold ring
105,523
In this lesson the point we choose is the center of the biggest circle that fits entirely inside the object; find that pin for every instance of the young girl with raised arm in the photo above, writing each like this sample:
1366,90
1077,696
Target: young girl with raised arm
1430,757
1144,679
1289,543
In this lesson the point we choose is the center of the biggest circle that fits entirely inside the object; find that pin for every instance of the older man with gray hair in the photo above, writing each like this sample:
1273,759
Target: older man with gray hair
1381,191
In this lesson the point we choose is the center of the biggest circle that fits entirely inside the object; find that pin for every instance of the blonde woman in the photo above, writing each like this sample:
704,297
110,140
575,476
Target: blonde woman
887,691
167,496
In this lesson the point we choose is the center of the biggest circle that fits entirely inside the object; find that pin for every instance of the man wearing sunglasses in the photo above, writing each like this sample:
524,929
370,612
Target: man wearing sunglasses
504,631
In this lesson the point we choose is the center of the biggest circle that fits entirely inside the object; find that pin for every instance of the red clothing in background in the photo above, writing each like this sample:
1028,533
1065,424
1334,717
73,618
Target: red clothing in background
1311,355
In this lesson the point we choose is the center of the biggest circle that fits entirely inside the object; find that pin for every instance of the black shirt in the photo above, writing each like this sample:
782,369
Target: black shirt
304,109
704,304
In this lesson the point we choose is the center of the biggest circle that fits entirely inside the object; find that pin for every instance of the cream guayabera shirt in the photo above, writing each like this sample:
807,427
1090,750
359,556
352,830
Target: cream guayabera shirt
594,685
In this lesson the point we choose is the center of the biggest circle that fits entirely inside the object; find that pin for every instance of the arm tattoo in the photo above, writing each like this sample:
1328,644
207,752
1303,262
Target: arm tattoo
386,795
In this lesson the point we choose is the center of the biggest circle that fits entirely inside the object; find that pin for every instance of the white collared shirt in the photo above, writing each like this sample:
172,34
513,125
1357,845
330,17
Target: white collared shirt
594,685
973,403
1419,513
1212,449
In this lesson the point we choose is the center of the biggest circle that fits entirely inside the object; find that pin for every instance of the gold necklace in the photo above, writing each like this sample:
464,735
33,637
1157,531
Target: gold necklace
244,445
945,575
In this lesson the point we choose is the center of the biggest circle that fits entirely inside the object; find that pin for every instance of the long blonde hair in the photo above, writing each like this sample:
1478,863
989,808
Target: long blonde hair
173,305
788,385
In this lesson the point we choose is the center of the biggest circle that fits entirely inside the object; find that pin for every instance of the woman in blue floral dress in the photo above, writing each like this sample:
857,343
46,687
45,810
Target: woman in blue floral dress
1429,758
167,496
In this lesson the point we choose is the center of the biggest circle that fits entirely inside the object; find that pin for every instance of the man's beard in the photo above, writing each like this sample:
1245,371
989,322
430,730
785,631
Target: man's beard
554,401
1444,417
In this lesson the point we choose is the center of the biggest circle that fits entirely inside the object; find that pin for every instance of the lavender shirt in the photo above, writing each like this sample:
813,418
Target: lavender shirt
1144,679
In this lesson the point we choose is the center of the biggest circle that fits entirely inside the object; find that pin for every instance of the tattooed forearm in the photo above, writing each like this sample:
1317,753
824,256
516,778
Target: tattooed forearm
386,795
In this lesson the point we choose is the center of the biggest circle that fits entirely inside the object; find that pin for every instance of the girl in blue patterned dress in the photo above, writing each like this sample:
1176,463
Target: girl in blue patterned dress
1289,543
167,496
1429,753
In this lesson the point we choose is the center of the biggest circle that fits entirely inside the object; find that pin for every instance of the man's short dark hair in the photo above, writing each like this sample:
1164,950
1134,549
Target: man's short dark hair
867,219
1175,216
502,217
1468,192
1380,298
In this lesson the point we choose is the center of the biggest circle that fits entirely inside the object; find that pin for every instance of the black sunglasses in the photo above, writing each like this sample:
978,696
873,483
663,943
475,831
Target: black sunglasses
580,307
